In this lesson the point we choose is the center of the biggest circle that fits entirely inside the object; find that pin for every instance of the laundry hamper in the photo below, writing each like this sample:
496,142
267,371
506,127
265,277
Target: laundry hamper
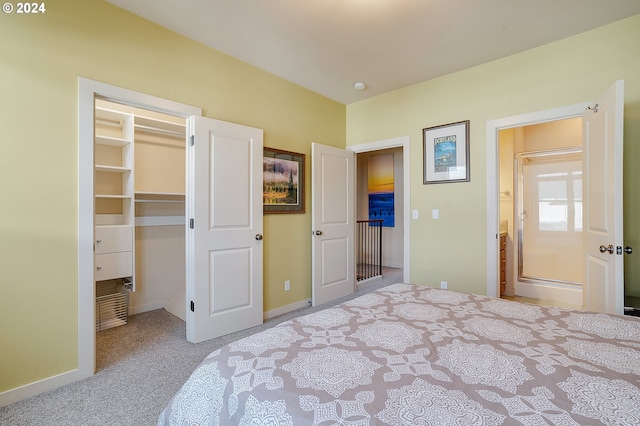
112,303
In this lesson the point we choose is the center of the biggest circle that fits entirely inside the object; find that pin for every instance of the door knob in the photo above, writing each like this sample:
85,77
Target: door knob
318,232
258,237
628,249
604,249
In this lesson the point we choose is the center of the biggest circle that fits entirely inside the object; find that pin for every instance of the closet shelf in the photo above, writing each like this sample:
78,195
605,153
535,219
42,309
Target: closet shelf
111,169
112,224
159,197
112,116
149,129
113,196
159,201
151,193
154,125
108,140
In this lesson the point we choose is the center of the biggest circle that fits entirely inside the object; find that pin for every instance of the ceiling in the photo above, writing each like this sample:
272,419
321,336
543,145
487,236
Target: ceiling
329,45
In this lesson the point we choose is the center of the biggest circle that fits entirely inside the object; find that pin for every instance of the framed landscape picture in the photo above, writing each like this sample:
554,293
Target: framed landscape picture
283,181
446,153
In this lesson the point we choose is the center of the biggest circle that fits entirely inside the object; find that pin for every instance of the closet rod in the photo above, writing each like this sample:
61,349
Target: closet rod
149,129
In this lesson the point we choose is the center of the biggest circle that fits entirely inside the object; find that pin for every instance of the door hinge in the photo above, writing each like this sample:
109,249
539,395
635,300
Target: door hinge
191,223
192,140
193,307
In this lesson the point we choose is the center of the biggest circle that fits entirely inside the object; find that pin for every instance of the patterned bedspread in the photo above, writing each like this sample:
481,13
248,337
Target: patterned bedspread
412,355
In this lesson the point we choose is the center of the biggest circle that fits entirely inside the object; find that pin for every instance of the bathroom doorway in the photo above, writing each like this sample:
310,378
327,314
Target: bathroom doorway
541,211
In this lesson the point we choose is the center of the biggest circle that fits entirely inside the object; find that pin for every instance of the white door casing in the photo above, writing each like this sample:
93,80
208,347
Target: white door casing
88,90
602,133
224,242
333,223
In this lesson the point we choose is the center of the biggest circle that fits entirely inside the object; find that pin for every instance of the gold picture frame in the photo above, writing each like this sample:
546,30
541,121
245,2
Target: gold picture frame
283,181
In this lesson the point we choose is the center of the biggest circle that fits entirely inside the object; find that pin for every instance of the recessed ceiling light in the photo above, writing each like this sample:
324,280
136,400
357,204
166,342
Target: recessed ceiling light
359,86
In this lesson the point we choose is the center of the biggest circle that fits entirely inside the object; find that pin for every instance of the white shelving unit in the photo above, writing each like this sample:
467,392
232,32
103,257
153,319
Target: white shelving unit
140,210
114,216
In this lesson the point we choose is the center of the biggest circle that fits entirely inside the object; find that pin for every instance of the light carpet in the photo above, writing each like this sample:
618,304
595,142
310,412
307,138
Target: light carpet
140,367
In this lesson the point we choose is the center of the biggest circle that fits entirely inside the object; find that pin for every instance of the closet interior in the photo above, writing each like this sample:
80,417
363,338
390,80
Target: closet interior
139,189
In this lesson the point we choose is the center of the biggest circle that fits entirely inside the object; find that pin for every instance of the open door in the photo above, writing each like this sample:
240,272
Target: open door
224,228
333,223
603,239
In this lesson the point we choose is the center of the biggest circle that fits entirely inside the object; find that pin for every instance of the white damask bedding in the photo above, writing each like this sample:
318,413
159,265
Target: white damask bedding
412,355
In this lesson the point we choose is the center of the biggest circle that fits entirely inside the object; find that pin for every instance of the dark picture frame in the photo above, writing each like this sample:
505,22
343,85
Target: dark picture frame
283,181
446,153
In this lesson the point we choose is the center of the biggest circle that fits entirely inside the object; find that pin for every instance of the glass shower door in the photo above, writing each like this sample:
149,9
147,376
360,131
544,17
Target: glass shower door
550,210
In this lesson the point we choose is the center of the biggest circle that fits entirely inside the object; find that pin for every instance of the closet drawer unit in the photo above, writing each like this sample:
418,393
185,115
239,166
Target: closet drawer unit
111,239
114,265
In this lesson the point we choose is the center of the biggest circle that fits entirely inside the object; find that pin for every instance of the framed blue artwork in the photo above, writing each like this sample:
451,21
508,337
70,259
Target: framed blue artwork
446,153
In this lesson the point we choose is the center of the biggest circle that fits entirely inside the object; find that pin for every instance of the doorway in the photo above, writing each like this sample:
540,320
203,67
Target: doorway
152,215
496,191
380,215
401,147
603,280
541,211
89,91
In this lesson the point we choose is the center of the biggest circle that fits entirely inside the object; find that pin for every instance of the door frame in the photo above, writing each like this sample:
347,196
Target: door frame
403,142
493,181
87,91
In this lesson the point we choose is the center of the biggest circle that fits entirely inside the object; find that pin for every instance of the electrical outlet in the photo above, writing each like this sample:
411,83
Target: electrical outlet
443,284
287,285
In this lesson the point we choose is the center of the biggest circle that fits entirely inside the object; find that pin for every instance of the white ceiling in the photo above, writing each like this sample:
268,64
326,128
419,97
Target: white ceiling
328,45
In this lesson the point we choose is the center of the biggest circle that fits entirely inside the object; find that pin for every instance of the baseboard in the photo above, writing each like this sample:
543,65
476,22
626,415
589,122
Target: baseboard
286,309
138,309
36,388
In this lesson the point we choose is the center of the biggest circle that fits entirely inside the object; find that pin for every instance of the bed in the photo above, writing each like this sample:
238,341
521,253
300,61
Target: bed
415,355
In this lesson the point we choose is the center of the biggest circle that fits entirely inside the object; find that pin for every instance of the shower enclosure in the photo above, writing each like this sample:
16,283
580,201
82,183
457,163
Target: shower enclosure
549,224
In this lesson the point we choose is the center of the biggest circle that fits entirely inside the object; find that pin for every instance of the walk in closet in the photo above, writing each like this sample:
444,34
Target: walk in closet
139,189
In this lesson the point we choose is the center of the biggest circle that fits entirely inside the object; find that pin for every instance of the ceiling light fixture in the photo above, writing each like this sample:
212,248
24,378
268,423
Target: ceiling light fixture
359,86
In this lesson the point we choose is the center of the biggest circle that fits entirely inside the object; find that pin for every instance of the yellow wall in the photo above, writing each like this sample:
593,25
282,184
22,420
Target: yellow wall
41,58
564,73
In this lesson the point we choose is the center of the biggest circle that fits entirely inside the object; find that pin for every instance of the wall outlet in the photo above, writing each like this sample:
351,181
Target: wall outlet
443,284
287,285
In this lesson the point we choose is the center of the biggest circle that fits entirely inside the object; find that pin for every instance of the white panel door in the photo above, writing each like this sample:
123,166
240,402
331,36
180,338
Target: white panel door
602,146
333,223
224,230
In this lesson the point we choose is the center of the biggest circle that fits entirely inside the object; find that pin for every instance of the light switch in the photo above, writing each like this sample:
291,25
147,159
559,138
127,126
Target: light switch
414,214
435,214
